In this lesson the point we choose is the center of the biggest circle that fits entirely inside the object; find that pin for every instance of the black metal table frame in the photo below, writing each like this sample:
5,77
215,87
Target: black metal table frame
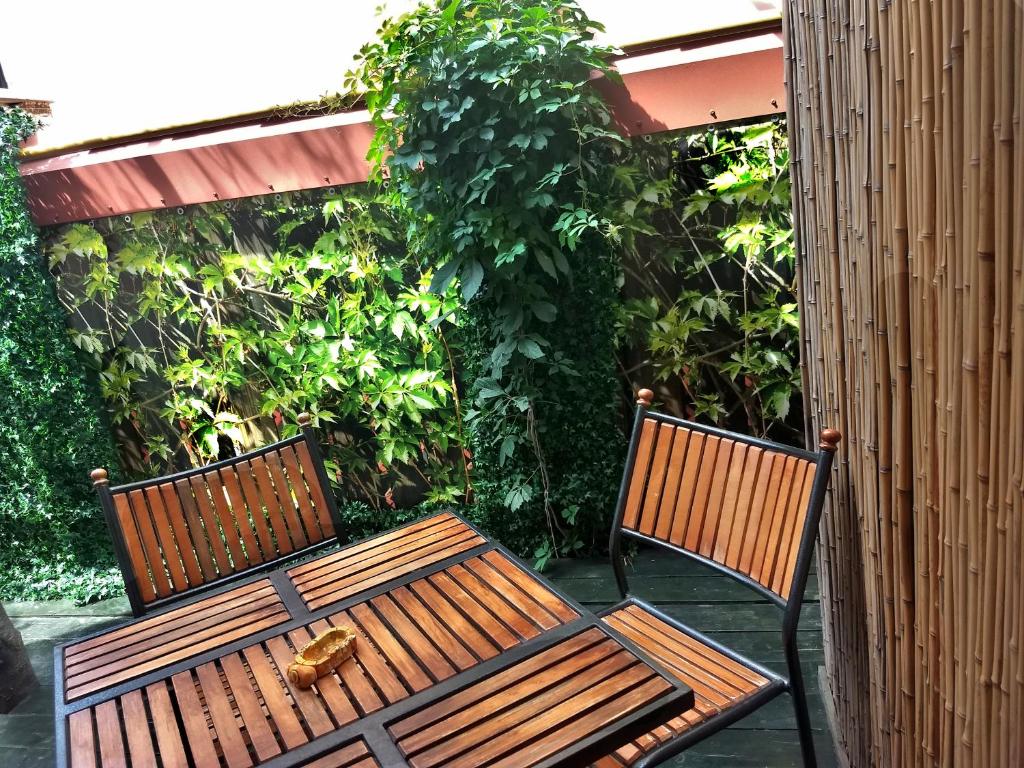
373,727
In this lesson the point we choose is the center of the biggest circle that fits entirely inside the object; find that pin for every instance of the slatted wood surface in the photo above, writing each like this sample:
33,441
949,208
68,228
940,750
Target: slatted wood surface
533,709
354,755
240,709
732,502
363,566
188,532
459,622
157,641
718,682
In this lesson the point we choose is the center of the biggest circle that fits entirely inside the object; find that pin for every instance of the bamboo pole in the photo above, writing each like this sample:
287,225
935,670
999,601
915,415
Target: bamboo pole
908,174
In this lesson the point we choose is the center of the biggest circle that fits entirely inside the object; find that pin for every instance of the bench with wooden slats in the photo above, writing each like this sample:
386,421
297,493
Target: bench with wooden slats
718,682
554,702
240,709
183,532
159,640
363,566
750,509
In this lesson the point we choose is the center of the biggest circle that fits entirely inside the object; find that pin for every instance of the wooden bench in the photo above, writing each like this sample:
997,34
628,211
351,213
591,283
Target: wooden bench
745,507
203,528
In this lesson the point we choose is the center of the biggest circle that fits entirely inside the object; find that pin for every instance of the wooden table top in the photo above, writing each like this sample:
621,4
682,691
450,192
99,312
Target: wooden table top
464,657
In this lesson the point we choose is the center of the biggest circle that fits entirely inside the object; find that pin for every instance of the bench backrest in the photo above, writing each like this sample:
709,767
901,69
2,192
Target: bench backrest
192,530
748,506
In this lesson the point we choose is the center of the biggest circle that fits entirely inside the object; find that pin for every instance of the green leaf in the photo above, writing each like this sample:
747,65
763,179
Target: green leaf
531,349
421,401
315,328
779,402
397,326
508,445
546,263
450,10
472,277
489,393
544,311
443,276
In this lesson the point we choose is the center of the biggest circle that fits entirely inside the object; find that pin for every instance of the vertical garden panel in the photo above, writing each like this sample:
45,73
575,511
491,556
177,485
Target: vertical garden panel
907,165
52,539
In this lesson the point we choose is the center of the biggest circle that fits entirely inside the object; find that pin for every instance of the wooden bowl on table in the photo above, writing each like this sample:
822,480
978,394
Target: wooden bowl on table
321,656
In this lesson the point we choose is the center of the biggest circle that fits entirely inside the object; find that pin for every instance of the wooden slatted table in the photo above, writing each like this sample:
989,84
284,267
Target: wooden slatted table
464,657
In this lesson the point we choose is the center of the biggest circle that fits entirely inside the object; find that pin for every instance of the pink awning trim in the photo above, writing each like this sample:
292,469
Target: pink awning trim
666,90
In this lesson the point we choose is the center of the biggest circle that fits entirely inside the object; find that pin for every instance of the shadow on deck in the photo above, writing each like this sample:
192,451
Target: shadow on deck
710,602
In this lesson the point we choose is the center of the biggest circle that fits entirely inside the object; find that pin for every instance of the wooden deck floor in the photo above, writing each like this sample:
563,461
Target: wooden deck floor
710,602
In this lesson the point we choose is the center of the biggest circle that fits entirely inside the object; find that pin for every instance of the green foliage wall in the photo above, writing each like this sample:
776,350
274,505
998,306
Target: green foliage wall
212,327
514,246
710,298
705,246
52,538
491,131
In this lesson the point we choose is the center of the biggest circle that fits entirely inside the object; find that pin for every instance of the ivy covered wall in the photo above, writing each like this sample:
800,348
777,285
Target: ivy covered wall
211,327
54,429
468,330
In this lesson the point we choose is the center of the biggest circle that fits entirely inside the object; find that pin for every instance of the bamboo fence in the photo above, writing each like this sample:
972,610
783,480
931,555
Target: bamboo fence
908,173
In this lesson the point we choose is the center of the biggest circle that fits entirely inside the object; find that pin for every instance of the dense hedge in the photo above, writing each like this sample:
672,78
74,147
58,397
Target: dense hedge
52,539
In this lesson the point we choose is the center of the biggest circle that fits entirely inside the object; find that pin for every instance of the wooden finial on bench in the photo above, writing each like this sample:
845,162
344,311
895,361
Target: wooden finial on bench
644,398
830,440
99,476
305,419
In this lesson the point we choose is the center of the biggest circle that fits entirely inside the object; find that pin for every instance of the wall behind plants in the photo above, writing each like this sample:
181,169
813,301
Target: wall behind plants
53,542
709,308
211,328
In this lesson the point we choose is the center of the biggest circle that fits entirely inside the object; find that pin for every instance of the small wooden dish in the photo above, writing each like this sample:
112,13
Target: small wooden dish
321,655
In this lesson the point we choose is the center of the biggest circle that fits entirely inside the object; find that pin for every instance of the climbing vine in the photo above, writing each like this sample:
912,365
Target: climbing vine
212,327
711,308
489,129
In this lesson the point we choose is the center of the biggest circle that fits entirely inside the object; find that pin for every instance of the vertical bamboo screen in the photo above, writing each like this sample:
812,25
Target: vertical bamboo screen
908,172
